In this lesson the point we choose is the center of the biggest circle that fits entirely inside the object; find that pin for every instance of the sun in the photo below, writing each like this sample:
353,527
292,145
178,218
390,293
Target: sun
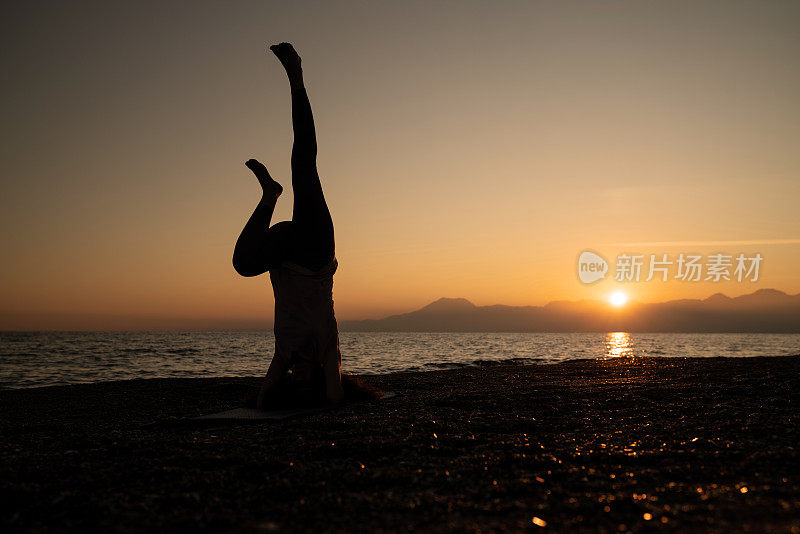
618,298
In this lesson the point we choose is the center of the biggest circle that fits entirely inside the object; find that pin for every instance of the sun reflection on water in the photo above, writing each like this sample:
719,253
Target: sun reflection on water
618,344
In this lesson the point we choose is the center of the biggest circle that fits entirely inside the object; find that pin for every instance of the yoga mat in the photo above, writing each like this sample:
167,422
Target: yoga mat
252,415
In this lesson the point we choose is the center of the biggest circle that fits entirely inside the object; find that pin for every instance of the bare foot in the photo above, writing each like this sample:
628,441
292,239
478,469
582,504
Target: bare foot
272,189
290,60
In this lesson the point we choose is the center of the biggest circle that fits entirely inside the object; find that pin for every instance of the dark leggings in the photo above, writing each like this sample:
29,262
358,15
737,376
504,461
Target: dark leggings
307,239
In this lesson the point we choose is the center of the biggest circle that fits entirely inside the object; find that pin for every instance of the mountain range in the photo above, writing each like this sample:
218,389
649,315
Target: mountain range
766,310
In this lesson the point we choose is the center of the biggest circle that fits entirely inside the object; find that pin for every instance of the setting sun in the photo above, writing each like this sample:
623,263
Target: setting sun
618,298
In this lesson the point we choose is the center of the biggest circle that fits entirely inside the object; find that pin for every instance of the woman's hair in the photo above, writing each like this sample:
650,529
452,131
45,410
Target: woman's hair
356,390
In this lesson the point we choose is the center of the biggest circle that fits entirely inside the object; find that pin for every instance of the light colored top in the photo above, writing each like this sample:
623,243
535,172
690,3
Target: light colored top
304,319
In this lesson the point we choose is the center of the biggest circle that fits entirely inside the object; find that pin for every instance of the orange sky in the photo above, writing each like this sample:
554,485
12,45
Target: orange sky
466,149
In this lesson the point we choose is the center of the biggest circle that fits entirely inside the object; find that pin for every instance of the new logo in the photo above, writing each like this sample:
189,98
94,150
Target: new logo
591,267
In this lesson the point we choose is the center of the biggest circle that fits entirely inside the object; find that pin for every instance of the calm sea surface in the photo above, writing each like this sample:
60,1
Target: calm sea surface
31,359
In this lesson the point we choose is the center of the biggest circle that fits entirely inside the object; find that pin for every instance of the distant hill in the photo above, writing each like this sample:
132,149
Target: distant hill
766,310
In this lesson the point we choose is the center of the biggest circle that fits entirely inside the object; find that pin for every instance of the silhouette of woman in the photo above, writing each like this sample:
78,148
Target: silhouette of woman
299,255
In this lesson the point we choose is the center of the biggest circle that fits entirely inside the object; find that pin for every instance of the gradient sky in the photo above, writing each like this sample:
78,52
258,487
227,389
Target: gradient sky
468,149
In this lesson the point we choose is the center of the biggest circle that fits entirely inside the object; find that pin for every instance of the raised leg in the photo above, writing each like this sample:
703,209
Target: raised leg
311,216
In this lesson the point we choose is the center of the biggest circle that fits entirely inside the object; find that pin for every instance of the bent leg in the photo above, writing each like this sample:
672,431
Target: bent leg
260,247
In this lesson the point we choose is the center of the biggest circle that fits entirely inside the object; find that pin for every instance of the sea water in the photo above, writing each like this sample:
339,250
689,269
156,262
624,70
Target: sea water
32,359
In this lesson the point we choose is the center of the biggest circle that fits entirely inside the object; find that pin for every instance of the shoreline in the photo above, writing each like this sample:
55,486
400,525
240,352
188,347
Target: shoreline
696,444
424,368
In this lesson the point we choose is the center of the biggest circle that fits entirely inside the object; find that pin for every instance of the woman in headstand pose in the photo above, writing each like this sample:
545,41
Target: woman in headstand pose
299,255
